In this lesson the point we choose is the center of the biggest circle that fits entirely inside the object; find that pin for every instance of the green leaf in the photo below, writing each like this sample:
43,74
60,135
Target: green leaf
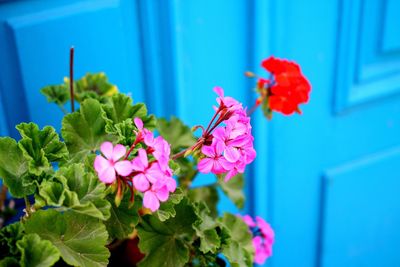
73,188
176,133
40,147
123,218
238,248
234,189
120,113
80,239
9,262
93,85
14,168
167,209
58,94
36,252
166,243
9,235
123,131
208,195
121,108
206,229
84,130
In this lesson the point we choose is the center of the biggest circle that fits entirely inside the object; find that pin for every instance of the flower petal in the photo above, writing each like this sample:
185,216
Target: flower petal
231,154
171,184
141,183
100,164
230,174
151,201
118,152
138,123
219,148
137,164
123,168
205,165
219,91
143,157
107,149
226,164
220,134
154,173
248,220
162,193
108,175
208,151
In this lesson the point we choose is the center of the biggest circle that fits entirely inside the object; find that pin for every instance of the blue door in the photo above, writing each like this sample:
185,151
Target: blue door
328,180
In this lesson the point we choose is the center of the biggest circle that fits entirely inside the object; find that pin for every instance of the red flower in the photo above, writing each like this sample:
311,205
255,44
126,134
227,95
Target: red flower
288,87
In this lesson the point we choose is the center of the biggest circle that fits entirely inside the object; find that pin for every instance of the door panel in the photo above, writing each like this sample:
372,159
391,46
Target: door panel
38,36
328,180
353,115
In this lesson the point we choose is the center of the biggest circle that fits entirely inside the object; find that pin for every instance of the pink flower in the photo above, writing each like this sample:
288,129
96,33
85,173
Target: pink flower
158,192
144,173
162,151
107,166
143,134
266,230
263,238
226,101
151,172
215,161
232,145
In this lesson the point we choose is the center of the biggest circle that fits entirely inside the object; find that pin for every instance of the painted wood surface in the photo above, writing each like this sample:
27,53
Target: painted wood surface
328,180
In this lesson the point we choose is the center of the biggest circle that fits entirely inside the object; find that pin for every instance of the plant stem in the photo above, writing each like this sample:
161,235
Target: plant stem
212,120
129,151
63,109
71,78
253,108
27,205
180,154
3,196
206,185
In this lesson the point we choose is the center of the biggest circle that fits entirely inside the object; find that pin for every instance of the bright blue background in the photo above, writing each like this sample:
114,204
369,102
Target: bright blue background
328,180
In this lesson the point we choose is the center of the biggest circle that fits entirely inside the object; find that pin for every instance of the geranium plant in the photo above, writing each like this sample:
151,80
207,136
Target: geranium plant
115,186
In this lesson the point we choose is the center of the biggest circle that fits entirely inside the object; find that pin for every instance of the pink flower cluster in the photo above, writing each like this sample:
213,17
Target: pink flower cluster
149,171
263,238
231,148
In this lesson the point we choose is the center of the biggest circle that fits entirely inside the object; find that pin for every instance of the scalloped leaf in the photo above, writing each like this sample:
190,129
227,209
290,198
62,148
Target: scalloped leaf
123,218
206,229
9,262
238,248
208,195
176,133
165,243
73,188
120,113
36,252
9,235
84,130
14,169
58,94
233,189
93,85
123,131
40,147
167,209
80,239
121,108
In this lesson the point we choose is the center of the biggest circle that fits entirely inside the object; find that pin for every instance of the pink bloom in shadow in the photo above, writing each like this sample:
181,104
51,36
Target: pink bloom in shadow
263,237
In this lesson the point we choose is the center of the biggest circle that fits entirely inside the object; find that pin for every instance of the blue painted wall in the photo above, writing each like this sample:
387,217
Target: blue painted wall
329,180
